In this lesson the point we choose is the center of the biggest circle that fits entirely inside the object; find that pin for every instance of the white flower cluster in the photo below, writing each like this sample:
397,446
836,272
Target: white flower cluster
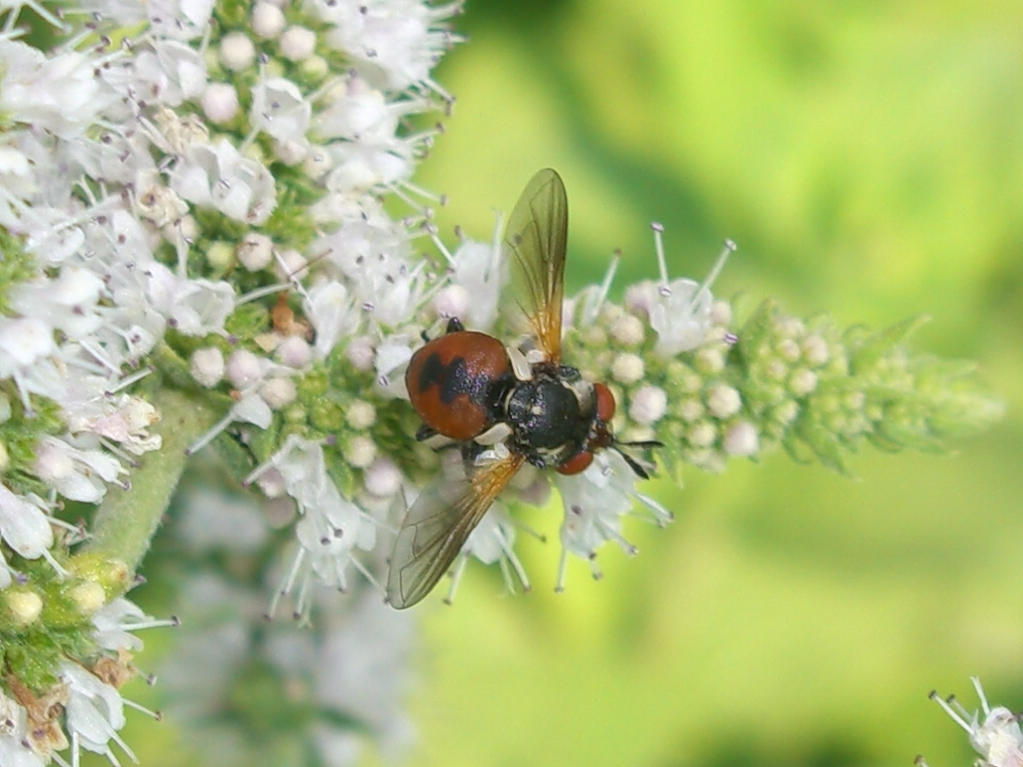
84,710
143,186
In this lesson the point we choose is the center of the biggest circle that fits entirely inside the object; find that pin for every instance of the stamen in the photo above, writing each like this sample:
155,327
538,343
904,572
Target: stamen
660,513
156,623
124,455
661,262
595,302
729,248
212,434
456,577
54,563
611,534
301,612
267,290
114,736
605,285
520,571
506,575
127,381
43,13
99,356
365,571
158,716
528,530
559,581
287,585
980,695
953,701
950,711
441,246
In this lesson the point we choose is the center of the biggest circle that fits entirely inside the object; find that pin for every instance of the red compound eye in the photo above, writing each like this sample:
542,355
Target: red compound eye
605,402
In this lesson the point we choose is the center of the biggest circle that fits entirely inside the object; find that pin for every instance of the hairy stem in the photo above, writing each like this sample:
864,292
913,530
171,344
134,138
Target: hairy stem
127,519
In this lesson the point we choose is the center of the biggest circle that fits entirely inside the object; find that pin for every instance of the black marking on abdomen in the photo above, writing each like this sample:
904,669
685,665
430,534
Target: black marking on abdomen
453,380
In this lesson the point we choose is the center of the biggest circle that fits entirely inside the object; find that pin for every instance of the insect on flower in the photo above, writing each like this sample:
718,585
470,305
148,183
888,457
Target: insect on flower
505,406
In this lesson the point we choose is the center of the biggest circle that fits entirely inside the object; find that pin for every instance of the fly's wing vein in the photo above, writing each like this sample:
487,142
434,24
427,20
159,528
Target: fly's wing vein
437,526
535,242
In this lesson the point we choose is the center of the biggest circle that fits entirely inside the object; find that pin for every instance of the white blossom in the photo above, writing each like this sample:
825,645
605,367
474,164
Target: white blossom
14,735
279,109
194,307
95,712
997,737
77,473
595,502
58,93
219,176
24,525
679,311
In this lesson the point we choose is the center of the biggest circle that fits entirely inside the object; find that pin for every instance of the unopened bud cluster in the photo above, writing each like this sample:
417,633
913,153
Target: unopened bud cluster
774,380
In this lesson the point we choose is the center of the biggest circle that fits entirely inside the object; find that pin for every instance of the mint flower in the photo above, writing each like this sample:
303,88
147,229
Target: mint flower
212,256
997,737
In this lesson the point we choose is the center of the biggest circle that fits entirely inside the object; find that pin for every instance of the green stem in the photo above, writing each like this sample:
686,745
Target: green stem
127,519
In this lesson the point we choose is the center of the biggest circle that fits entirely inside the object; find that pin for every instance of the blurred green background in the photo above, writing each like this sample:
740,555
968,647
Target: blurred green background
868,159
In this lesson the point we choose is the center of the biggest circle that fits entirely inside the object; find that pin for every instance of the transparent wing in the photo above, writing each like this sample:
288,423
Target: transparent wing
437,525
535,241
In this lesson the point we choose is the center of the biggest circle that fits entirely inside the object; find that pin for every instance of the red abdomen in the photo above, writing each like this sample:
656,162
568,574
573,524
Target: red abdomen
452,380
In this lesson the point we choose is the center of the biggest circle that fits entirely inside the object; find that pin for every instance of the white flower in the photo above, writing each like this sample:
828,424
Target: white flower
193,307
491,541
279,110
66,302
723,401
95,712
395,43
680,311
116,621
179,19
267,20
220,102
331,526
476,268
172,70
391,357
14,735
357,166
24,525
998,738
357,112
59,93
298,43
218,175
595,502
125,420
23,341
333,313
80,474
237,51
